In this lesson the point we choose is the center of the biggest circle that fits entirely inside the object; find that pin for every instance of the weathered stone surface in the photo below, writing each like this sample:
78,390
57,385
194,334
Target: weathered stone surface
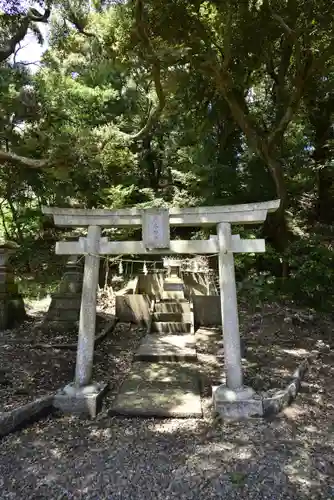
229,308
194,284
87,321
274,404
193,216
161,347
248,405
240,409
133,308
64,307
66,302
237,404
207,310
161,390
12,310
67,316
10,421
172,306
173,284
173,288
155,228
71,282
85,401
151,284
170,327
172,316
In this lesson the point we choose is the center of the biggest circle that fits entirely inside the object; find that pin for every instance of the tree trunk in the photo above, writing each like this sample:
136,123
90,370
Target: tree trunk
3,220
275,228
16,221
325,202
322,156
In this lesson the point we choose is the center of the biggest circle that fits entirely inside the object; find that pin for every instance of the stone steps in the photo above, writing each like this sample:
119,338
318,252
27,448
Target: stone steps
173,306
165,347
170,327
164,380
171,317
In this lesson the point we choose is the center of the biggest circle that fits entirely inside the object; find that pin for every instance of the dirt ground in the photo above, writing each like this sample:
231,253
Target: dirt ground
27,372
290,456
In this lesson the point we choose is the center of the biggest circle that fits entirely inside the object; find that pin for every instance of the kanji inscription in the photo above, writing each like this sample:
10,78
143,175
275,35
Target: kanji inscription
156,232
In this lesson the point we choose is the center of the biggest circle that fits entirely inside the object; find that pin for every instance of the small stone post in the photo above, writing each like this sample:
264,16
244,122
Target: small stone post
87,322
229,308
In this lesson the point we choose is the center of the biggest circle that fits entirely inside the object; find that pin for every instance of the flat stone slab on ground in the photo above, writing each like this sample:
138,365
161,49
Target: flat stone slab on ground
166,347
160,390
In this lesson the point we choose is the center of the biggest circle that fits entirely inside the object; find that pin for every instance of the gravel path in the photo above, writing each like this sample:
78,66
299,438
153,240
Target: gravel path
289,457
132,459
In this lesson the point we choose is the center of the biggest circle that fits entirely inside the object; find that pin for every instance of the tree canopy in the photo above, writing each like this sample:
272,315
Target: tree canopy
173,103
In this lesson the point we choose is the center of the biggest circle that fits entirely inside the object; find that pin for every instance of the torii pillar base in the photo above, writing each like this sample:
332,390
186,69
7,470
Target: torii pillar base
236,403
80,401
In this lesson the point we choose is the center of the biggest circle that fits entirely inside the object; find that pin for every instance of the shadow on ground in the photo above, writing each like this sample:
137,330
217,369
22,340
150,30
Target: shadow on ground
288,457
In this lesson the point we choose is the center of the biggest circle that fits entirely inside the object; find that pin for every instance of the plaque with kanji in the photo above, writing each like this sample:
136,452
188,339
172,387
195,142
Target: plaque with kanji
155,226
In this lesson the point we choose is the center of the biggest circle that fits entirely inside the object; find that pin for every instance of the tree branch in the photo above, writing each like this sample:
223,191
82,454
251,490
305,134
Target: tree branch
300,82
10,46
32,16
80,24
286,28
227,39
156,75
239,111
22,160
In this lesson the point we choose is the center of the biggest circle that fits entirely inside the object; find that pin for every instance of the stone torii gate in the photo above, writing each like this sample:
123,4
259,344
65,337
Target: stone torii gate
155,224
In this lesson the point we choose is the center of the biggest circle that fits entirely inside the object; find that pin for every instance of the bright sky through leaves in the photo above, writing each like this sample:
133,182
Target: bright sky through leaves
30,51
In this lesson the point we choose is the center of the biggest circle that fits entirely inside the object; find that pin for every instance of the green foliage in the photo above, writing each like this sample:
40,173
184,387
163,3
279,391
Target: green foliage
312,273
310,281
230,72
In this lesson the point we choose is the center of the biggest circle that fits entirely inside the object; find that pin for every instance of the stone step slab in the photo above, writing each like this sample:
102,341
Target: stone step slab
170,327
162,347
160,390
172,316
173,294
175,300
172,306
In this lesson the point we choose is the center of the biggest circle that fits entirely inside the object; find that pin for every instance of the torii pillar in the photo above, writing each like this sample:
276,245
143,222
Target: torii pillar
233,399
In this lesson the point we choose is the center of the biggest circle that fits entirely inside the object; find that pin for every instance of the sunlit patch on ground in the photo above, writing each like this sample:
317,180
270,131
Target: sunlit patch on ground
288,457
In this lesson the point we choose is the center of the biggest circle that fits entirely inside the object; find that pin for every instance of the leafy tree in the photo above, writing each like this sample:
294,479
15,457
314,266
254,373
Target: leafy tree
262,78
174,103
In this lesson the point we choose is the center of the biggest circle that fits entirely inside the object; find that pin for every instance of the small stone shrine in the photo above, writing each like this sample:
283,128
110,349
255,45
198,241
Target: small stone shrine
173,284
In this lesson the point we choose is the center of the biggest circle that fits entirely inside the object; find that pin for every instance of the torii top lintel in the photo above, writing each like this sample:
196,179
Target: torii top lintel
249,213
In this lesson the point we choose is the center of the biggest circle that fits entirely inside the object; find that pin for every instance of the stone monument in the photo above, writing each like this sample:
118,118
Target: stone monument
12,309
65,303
